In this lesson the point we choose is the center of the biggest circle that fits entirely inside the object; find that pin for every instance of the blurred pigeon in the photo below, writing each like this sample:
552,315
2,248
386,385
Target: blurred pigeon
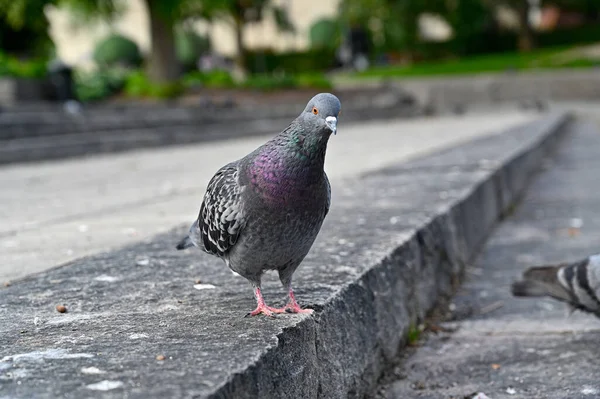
264,211
577,284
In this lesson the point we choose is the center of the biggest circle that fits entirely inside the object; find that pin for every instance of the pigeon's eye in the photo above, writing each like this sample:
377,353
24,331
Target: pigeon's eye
315,111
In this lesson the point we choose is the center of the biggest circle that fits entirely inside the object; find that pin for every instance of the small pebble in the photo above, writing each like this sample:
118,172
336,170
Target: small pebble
198,281
160,357
61,309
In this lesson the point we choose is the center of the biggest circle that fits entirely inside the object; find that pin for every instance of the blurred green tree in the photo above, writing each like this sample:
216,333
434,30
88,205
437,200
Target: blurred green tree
591,7
325,34
393,22
162,65
526,35
239,13
24,28
467,18
163,15
190,46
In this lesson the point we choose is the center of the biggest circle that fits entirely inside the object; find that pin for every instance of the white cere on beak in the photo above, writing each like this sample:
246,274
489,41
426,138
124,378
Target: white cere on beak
332,123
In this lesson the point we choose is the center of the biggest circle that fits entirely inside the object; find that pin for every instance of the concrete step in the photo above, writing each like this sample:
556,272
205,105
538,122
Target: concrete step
38,136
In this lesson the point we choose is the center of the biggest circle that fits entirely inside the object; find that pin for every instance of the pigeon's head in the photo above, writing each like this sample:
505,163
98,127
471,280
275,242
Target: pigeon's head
322,112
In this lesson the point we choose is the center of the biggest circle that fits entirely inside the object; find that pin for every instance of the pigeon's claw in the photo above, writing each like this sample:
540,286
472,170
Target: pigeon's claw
277,310
297,309
293,307
262,309
261,306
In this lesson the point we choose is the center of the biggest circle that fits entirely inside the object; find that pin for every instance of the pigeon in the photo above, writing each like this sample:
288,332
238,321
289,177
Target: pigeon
577,284
263,212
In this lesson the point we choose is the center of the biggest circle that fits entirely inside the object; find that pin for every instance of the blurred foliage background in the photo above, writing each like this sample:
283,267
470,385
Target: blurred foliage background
365,39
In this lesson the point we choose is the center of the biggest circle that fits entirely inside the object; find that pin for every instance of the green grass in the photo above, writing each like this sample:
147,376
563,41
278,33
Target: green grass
541,59
414,334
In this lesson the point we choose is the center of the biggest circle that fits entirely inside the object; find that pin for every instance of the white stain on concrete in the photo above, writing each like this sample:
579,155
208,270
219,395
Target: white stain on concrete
17,373
589,390
105,385
345,269
92,370
107,279
142,262
138,336
204,286
68,318
44,355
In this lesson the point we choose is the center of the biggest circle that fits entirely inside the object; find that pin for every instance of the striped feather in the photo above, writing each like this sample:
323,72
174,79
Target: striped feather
577,284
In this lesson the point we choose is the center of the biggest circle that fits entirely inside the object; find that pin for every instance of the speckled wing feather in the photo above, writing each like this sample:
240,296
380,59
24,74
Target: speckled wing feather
221,217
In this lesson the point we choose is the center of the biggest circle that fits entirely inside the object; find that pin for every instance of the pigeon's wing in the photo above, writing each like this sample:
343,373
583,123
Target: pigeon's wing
221,217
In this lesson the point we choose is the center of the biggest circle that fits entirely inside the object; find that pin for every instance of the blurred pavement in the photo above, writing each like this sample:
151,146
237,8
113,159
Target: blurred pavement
55,212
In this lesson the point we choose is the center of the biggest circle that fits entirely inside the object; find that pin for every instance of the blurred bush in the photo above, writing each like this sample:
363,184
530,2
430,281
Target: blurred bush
216,79
269,83
265,82
325,34
189,46
100,84
585,34
313,81
11,66
138,84
268,61
117,50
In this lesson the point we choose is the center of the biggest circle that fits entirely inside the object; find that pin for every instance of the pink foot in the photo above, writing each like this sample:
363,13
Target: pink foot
261,309
261,306
277,310
295,308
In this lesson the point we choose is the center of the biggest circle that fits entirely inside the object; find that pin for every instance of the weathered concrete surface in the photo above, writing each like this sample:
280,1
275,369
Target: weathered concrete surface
393,243
511,347
84,206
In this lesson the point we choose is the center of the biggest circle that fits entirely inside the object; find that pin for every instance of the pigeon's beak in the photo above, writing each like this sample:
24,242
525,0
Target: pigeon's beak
332,123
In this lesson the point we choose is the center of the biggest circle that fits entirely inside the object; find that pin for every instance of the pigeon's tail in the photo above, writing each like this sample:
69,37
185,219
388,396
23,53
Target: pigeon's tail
541,281
191,238
185,243
577,284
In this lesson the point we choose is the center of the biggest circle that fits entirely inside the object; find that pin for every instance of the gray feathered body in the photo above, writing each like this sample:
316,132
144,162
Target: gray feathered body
264,211
577,284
